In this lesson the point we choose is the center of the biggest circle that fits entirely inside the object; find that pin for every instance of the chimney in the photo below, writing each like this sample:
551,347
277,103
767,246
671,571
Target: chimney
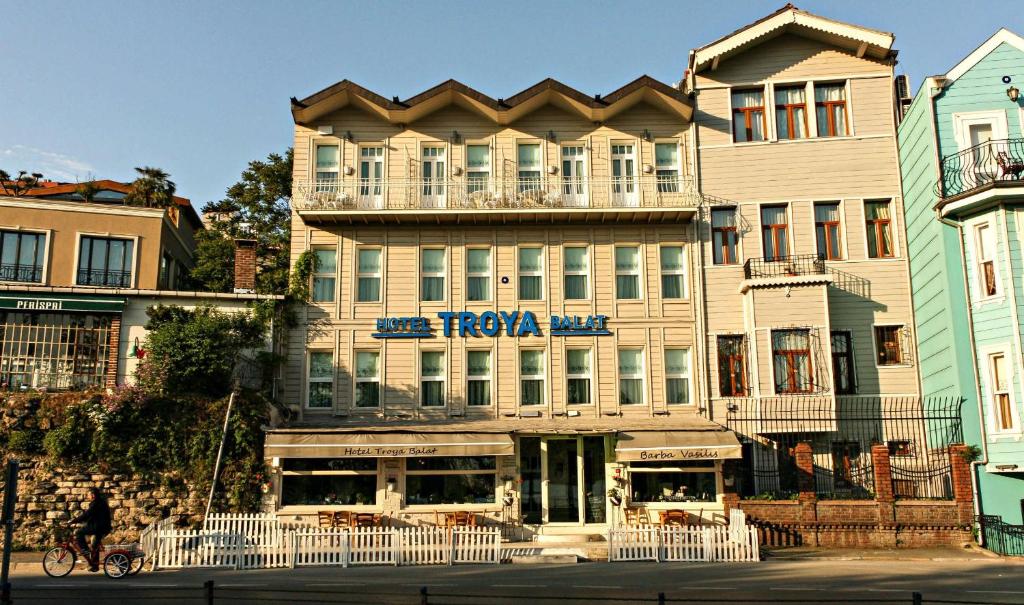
245,266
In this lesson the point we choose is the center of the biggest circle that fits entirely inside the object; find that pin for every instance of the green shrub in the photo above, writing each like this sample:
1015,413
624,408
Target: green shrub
72,440
29,441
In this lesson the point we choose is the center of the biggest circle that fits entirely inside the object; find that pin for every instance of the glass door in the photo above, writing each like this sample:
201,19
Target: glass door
371,177
433,177
563,481
623,176
594,504
573,184
531,499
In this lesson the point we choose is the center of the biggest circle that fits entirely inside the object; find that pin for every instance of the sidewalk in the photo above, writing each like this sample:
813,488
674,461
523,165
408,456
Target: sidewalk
883,554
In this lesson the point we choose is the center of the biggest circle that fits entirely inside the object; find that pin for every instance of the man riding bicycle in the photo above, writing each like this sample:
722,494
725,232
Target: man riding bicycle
96,521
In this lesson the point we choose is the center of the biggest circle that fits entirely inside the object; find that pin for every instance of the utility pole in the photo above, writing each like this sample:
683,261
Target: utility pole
220,454
10,496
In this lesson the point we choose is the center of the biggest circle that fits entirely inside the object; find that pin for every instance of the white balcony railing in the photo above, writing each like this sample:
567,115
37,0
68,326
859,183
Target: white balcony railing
495,194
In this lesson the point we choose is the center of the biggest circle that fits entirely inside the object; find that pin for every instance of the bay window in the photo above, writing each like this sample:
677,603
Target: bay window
531,377
577,373
531,274
830,109
826,230
775,232
21,256
368,275
432,274
324,275
478,274
451,480
367,383
673,272
328,481
673,481
576,272
748,120
791,112
878,224
320,380
724,236
627,272
791,361
478,378
677,376
631,376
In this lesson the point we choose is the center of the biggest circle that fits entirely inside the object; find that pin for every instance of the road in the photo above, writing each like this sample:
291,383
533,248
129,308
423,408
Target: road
807,581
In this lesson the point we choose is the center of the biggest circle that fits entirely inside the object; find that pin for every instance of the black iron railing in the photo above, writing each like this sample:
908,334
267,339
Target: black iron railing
21,273
103,277
784,266
990,163
1001,537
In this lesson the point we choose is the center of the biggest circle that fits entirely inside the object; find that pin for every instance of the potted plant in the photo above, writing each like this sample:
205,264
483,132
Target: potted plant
615,496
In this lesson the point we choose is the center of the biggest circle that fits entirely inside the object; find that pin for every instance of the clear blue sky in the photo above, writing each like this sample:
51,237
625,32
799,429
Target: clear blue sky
200,88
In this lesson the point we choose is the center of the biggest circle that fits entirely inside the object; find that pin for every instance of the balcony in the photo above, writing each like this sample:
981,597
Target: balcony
784,266
29,274
995,163
497,201
105,278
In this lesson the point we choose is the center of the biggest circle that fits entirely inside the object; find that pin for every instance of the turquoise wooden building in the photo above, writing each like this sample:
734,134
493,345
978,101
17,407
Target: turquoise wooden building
962,161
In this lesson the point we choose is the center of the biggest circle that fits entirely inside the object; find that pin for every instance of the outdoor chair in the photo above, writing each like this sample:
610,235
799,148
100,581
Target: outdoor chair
342,518
325,518
1009,166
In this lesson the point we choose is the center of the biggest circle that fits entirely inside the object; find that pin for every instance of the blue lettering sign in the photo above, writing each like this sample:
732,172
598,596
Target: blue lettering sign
490,323
573,325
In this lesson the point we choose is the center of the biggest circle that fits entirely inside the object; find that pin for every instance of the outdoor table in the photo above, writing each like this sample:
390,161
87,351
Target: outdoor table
672,517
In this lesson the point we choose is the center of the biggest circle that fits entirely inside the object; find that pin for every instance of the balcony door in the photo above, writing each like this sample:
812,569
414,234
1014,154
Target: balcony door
574,192
433,172
371,177
981,136
624,186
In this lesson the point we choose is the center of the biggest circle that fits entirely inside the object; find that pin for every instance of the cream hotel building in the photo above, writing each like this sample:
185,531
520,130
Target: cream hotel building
524,307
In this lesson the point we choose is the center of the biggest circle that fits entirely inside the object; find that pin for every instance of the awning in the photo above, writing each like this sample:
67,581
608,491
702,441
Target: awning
39,301
677,445
387,445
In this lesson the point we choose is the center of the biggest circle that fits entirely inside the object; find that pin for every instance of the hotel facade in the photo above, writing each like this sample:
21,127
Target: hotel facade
545,308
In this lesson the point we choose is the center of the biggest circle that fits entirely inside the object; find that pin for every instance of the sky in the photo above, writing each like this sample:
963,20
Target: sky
93,89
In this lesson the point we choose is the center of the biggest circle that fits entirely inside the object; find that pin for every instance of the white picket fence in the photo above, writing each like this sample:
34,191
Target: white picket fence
684,543
177,549
264,541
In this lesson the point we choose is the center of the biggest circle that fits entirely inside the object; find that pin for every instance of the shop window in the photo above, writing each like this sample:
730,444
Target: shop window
531,377
775,232
672,481
368,275
451,480
631,376
328,481
531,273
888,348
673,272
367,379
842,363
791,112
724,236
666,169
577,373
478,274
105,261
878,224
627,272
791,360
21,256
677,376
830,107
732,366
576,271
432,378
826,228
321,380
748,120
478,377
324,276
53,351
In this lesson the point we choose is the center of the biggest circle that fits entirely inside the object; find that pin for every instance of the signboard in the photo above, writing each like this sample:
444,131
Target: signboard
28,301
490,323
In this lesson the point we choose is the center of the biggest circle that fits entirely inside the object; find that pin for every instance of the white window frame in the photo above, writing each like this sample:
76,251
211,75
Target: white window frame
472,170
480,378
589,376
534,181
324,275
542,377
638,274
681,272
963,120
310,380
585,272
78,251
994,420
688,375
640,375
976,244
357,380
476,274
378,275
677,166
540,273
337,167
442,274
433,378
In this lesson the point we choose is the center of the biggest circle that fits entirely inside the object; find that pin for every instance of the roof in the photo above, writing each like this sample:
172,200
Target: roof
595,108
676,422
1003,36
50,189
789,19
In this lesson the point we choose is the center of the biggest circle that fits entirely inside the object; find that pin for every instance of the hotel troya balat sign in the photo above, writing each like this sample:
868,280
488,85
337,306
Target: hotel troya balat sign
490,323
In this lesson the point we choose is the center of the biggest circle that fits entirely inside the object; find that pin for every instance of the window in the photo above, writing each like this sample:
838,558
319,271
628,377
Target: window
531,274
826,228
842,363
888,350
166,270
321,380
478,375
732,366
666,167
577,373
985,262
327,160
478,274
774,232
531,377
21,256
451,480
724,236
367,379
576,272
791,359
627,272
432,168
529,167
748,121
371,172
791,112
673,272
830,108
368,275
432,274
328,481
478,167
1001,379
105,261
432,378
573,173
689,481
878,222
323,278
631,376
677,376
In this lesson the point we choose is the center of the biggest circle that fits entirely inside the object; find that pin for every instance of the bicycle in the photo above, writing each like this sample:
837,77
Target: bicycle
119,560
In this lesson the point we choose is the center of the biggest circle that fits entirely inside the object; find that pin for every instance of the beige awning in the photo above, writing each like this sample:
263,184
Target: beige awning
677,445
386,445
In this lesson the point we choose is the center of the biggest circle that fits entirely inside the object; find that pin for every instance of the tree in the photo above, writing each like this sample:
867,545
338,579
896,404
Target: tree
215,261
87,190
21,184
153,188
256,207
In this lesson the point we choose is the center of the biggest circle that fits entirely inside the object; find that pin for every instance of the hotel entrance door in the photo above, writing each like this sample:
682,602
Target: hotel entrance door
563,480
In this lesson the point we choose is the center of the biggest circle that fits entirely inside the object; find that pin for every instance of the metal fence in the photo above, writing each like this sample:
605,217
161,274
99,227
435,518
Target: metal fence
991,163
784,266
1000,537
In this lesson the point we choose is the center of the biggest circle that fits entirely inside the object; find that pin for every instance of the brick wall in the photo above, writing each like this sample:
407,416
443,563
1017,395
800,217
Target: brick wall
245,265
113,349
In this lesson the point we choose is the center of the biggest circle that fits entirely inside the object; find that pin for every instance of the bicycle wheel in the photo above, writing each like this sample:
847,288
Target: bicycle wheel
117,564
138,561
59,562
